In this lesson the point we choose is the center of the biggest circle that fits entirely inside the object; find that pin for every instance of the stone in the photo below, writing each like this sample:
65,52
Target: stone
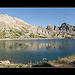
59,35
6,62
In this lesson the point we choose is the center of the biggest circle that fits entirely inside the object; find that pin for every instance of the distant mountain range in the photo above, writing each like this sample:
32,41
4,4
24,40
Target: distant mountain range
15,28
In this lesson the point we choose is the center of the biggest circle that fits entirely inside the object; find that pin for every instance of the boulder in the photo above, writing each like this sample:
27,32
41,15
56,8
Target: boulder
6,62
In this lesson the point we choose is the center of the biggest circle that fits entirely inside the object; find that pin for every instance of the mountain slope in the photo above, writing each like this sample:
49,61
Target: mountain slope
11,27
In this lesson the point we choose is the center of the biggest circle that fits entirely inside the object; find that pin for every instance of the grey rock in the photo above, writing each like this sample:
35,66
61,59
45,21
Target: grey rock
56,28
49,27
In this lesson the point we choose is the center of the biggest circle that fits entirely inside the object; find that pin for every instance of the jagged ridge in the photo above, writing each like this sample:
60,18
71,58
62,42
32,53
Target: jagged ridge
15,28
65,30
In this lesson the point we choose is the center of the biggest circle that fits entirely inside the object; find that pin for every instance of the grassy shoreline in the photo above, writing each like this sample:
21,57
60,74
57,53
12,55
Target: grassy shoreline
62,62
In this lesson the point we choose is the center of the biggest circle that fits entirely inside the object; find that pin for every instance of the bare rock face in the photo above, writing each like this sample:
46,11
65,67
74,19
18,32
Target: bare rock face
56,28
49,27
12,21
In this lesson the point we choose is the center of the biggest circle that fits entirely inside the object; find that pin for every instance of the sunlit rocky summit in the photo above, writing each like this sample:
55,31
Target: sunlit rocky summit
15,28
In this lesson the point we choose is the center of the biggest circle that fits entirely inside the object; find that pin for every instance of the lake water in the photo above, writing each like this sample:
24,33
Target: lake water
26,51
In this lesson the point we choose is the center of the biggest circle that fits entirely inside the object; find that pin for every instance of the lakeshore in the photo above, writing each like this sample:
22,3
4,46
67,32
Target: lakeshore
29,53
62,62
32,38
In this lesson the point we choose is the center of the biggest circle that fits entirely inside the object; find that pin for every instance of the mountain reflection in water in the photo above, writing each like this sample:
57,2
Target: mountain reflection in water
28,46
35,50
18,45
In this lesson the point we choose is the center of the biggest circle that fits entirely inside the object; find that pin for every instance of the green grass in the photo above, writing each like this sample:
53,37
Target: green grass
15,66
2,34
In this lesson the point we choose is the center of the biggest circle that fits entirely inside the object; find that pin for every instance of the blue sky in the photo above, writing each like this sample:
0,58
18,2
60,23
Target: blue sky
42,16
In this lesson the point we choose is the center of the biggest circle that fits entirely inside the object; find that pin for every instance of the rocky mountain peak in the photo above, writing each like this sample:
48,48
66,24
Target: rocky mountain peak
49,27
64,23
13,27
66,27
12,21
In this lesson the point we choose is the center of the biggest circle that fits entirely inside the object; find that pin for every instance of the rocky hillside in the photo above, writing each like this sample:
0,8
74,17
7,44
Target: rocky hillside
15,28
12,27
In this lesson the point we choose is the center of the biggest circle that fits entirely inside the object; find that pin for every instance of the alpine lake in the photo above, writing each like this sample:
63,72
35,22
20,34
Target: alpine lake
35,50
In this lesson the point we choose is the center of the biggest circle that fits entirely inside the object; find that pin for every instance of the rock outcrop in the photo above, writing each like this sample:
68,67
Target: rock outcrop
49,27
56,28
7,62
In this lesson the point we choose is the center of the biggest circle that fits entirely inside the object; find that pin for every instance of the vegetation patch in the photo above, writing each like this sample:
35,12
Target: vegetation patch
36,36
